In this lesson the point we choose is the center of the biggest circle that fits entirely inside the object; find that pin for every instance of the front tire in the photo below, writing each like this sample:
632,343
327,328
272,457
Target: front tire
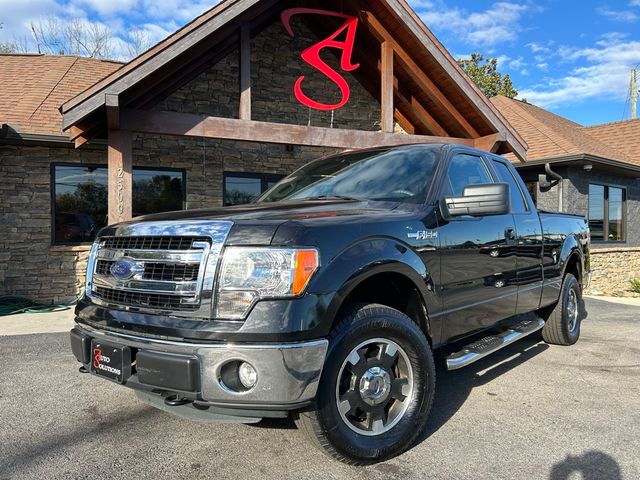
562,321
376,389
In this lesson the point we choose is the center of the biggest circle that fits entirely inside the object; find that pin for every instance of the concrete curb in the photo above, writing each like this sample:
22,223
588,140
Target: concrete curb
635,302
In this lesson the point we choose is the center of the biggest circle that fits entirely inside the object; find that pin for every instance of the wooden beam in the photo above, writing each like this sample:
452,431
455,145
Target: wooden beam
79,107
120,182
171,123
431,123
415,108
113,111
245,72
386,98
161,84
418,76
404,122
490,143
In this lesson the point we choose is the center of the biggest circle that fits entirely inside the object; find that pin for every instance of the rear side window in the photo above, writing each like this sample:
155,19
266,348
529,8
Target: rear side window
465,170
517,201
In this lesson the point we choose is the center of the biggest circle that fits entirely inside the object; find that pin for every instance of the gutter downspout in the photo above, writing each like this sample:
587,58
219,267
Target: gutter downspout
558,178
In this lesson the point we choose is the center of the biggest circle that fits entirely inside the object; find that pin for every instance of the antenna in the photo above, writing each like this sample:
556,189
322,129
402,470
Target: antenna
634,93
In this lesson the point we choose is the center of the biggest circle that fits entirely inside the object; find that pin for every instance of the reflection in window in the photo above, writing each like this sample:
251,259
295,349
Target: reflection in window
465,170
81,198
606,213
616,199
517,200
243,188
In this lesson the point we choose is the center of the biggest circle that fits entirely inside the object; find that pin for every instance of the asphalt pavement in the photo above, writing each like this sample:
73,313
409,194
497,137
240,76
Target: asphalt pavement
530,411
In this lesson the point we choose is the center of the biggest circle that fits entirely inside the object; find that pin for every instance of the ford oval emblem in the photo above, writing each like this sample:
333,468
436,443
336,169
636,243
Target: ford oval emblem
124,269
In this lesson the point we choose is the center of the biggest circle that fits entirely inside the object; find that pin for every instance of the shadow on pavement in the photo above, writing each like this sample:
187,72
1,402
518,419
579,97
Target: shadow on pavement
277,423
10,466
453,388
593,465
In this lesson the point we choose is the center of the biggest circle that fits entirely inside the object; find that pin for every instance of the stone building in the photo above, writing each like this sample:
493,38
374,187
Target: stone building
590,171
210,116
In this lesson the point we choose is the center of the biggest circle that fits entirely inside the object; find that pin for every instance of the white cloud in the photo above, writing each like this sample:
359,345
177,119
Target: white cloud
602,72
498,24
15,16
107,8
537,48
515,64
634,3
627,16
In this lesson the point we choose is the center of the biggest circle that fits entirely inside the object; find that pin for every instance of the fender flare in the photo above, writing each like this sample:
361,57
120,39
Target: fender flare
571,248
365,259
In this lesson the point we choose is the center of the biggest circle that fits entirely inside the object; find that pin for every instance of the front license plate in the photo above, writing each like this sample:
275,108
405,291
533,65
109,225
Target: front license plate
108,361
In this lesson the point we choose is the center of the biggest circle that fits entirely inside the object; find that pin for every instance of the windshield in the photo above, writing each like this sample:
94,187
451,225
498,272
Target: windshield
399,175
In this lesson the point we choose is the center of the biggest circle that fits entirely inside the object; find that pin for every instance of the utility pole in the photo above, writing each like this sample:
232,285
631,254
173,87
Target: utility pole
634,93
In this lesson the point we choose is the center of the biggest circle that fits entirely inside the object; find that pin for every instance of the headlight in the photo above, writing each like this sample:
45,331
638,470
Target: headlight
250,274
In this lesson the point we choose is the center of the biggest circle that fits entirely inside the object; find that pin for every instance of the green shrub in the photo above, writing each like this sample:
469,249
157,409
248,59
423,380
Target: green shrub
635,285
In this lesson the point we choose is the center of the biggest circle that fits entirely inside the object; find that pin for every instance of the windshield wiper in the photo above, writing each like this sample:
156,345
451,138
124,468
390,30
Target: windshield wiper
333,197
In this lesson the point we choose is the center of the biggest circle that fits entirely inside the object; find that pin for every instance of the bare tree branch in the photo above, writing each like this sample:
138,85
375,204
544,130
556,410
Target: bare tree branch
75,37
138,41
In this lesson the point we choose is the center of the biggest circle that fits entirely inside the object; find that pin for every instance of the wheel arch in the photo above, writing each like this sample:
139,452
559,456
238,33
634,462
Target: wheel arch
393,286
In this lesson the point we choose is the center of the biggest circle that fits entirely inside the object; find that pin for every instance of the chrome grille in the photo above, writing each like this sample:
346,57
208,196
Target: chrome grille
166,272
150,300
167,266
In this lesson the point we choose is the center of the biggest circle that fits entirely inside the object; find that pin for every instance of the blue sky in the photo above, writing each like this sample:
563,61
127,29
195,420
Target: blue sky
573,58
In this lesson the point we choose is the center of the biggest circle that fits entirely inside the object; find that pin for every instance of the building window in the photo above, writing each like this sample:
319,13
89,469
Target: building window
80,196
607,213
242,188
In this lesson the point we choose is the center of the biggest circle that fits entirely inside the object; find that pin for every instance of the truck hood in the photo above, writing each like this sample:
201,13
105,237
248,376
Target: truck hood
279,212
256,224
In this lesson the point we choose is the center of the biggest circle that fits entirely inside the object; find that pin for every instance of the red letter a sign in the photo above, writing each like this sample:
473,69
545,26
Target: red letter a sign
312,56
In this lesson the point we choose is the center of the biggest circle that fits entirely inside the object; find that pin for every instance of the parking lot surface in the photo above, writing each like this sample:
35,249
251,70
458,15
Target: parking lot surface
530,411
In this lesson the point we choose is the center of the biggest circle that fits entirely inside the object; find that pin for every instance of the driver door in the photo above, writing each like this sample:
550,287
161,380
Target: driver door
478,257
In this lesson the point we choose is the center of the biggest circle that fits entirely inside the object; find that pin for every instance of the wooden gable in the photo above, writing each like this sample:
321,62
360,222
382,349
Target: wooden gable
415,81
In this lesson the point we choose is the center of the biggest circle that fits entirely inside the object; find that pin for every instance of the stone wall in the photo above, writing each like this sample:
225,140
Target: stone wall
612,269
30,266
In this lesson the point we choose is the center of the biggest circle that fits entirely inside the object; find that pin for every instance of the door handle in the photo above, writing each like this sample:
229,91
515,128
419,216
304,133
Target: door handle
510,233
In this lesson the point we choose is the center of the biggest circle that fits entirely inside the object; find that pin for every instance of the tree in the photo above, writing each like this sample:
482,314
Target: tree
75,37
484,73
6,47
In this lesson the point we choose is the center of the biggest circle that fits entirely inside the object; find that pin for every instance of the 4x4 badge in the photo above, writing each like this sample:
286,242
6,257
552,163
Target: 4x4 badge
424,235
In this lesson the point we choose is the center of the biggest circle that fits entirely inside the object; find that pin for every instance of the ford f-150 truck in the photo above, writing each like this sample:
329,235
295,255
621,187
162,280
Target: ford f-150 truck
329,297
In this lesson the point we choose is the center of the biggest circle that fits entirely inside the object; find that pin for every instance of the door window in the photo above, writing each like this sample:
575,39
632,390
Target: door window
517,201
465,170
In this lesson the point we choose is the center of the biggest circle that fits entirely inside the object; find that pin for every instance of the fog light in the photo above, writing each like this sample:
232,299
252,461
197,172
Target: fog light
248,375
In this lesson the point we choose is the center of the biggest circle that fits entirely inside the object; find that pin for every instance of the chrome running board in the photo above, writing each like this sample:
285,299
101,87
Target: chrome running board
485,346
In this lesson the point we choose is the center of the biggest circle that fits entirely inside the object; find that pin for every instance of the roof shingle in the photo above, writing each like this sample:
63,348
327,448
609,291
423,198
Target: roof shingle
624,136
32,88
550,136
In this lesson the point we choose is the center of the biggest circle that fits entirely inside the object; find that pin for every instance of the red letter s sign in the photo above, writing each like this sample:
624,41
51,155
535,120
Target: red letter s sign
312,56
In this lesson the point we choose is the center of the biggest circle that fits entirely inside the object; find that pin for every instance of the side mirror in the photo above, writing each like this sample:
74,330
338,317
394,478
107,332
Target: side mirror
479,201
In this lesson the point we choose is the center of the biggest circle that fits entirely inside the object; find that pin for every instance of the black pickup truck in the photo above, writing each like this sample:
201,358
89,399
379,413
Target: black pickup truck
329,297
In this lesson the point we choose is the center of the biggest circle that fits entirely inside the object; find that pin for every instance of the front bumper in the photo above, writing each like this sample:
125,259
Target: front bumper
288,373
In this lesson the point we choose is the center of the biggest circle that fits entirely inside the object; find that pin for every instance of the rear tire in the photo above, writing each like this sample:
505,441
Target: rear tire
562,320
376,389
